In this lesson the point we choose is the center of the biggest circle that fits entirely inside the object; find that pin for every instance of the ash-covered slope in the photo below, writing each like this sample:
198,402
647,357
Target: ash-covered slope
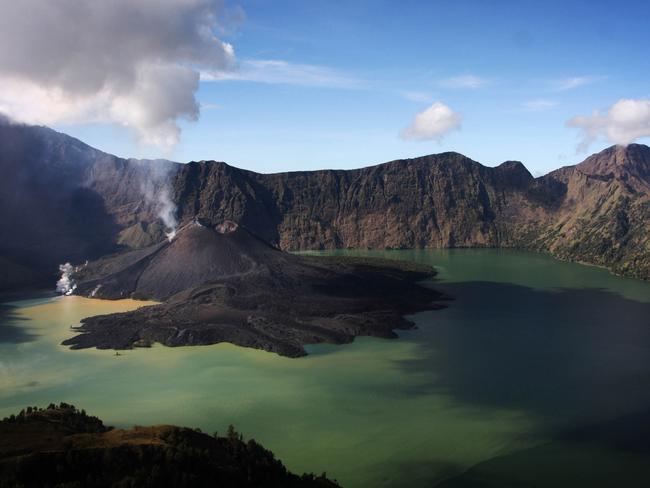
223,284
197,254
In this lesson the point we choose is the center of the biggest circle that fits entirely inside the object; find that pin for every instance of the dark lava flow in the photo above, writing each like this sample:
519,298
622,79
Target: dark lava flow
224,284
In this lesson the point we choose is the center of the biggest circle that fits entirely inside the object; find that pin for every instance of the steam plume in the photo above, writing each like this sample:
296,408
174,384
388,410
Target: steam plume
66,284
157,193
167,212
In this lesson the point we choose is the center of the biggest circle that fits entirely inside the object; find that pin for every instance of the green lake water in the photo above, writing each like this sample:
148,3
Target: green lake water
538,372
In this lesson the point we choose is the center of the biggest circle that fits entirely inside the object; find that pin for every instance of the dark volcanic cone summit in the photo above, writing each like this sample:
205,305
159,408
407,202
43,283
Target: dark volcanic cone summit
197,254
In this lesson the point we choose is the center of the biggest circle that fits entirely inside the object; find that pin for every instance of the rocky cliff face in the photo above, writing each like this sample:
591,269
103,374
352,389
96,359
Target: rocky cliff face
443,200
596,212
63,200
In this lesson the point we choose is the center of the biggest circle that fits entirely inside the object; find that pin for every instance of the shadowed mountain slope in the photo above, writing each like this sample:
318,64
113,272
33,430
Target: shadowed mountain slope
61,200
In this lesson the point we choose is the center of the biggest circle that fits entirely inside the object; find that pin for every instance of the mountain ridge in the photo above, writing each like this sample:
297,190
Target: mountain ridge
62,200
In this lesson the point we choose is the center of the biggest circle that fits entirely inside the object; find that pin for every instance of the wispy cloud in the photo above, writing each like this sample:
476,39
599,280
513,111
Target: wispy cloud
572,82
539,105
464,81
276,71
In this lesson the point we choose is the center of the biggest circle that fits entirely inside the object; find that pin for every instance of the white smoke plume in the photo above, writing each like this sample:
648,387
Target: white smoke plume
132,62
66,284
167,212
156,190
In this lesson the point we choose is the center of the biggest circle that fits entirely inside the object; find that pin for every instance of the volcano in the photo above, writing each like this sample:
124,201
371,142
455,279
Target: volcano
222,283
198,253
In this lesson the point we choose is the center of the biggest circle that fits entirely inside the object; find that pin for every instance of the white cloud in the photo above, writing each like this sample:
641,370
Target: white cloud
132,62
276,71
539,105
433,123
624,122
565,84
464,81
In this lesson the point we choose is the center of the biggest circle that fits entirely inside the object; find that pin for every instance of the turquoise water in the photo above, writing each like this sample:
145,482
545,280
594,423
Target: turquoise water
529,361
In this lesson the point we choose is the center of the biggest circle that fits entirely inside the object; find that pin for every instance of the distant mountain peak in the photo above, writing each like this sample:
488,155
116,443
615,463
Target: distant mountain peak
514,173
512,165
630,163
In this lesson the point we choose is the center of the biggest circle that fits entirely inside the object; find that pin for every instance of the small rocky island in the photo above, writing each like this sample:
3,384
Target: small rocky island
61,446
221,283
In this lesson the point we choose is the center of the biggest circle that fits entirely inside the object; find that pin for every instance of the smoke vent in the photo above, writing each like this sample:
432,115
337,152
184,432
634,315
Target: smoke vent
226,227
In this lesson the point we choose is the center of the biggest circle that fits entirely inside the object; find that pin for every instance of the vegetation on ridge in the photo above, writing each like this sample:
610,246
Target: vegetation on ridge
61,446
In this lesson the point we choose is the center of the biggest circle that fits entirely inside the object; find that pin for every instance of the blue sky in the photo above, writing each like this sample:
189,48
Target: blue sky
333,84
